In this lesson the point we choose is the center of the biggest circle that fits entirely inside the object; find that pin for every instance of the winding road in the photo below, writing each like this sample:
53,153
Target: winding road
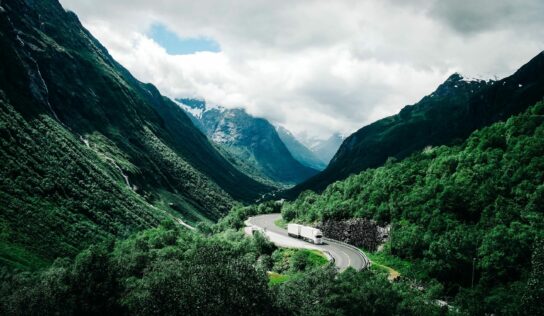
344,255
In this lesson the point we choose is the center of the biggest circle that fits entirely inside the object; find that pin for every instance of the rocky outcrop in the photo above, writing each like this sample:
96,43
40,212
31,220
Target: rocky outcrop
359,232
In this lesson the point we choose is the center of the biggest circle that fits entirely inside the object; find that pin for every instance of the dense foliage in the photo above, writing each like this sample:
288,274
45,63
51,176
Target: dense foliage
477,203
169,271
42,211
457,108
157,272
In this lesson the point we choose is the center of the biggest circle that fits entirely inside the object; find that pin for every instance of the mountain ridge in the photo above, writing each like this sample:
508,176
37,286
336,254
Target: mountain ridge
251,143
88,151
299,151
436,119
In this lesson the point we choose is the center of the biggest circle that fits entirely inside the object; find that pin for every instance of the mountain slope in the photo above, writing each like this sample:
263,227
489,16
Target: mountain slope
299,151
468,215
251,143
88,151
452,112
326,149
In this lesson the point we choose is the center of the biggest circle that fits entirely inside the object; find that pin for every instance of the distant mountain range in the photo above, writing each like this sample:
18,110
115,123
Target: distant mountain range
451,113
326,149
300,151
250,143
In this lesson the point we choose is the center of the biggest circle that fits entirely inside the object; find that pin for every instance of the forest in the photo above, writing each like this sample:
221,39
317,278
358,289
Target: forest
172,271
477,205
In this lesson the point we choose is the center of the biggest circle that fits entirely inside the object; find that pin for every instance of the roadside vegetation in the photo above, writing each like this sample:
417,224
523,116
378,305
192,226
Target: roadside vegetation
281,223
288,262
171,270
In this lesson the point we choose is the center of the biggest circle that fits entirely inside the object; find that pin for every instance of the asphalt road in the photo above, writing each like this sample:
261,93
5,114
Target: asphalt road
343,254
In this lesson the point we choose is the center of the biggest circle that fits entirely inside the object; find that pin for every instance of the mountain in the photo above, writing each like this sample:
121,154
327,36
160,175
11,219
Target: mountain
89,152
299,151
250,143
325,149
451,113
467,216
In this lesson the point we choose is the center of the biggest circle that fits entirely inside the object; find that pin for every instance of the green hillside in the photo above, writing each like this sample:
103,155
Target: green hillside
479,202
87,150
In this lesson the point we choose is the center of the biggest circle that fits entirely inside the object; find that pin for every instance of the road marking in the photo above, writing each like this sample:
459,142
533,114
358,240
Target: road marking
266,223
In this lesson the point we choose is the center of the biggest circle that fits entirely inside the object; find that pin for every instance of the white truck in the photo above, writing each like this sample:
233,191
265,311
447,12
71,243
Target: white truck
309,234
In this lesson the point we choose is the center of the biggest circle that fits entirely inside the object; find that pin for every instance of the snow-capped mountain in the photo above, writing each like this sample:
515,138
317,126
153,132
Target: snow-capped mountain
249,142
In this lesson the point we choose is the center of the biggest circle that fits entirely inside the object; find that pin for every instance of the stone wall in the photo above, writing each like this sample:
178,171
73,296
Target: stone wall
358,232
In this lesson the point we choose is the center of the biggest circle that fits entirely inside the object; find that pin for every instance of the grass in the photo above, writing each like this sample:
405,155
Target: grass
281,223
17,257
277,278
316,258
283,263
394,266
393,274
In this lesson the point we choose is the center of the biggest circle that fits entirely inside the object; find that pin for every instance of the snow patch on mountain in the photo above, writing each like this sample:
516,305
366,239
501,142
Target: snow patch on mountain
196,112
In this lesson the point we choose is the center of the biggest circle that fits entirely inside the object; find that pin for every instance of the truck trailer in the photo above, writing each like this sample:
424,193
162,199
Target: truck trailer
309,234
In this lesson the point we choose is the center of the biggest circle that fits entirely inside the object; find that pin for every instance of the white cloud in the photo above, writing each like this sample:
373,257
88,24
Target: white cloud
317,67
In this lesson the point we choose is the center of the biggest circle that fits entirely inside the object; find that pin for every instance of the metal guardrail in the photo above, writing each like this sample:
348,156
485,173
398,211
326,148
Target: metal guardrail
329,256
366,261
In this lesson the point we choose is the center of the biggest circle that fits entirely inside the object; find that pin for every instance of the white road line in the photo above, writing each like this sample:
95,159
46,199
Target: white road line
338,250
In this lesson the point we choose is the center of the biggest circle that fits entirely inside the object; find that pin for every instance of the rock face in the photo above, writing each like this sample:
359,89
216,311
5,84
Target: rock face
250,143
359,232
326,149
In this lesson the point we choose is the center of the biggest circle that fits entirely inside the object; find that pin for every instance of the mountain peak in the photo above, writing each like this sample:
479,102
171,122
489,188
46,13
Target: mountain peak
455,77
457,82
453,111
193,103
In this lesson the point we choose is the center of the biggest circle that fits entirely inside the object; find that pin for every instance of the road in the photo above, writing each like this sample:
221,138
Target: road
343,254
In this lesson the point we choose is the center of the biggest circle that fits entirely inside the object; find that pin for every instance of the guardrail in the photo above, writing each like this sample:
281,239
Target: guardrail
366,261
329,256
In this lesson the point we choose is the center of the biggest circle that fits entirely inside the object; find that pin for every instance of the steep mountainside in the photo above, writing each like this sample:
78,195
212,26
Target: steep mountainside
299,151
451,113
88,151
249,142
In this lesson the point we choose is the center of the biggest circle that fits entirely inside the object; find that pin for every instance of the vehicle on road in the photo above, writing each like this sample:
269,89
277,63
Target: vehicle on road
309,234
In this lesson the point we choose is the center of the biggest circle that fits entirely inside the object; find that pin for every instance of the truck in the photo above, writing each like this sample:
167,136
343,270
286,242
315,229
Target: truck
309,234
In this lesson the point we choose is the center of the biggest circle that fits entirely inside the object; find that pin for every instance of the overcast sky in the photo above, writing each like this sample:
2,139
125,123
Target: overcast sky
315,67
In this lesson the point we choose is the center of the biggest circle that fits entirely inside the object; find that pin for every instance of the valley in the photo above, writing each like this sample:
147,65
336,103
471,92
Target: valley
118,200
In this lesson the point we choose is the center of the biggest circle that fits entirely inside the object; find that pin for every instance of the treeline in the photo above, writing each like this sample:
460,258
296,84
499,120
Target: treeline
480,203
172,271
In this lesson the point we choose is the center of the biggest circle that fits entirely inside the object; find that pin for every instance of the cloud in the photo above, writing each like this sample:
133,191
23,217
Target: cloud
317,67
469,17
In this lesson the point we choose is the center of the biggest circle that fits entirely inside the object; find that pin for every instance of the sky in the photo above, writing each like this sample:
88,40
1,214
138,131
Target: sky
314,67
